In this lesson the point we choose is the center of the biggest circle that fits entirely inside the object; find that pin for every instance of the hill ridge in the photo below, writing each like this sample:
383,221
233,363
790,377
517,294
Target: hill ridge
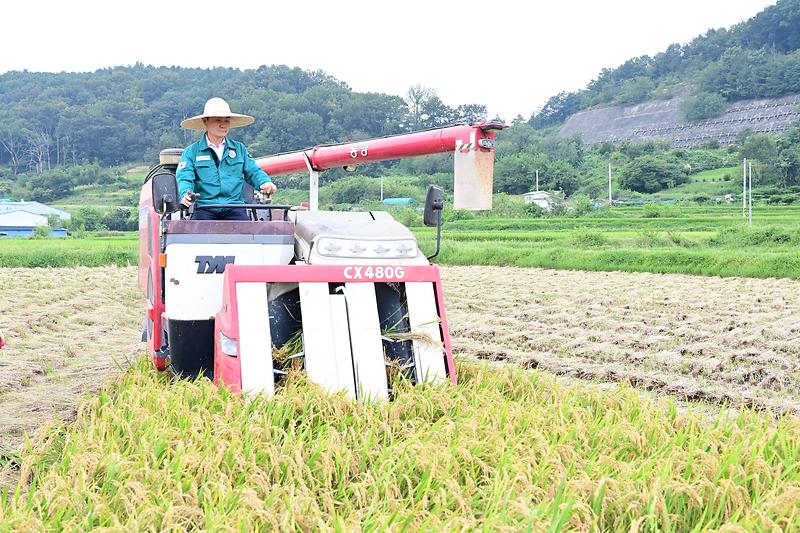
662,120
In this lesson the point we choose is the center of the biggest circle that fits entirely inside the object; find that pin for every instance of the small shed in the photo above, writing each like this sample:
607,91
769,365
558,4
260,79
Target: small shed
405,202
541,198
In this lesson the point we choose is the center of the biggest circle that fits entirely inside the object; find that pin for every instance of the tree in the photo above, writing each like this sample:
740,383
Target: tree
417,97
5,188
352,190
739,74
760,146
790,166
569,149
561,176
635,90
556,110
87,218
515,173
11,140
668,61
703,106
471,113
435,114
650,174
119,219
581,205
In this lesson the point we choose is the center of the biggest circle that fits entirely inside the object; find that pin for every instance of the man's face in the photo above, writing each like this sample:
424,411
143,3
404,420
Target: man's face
217,126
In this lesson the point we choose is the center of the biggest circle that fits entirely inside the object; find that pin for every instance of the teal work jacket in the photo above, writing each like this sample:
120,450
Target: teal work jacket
218,182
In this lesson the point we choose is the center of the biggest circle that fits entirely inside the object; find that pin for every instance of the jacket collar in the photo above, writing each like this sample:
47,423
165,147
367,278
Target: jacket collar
204,142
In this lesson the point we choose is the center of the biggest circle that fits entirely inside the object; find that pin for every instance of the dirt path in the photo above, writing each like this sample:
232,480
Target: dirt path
66,330
726,340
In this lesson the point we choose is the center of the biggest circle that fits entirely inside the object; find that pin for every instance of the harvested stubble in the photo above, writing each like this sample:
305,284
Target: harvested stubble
65,328
505,449
731,341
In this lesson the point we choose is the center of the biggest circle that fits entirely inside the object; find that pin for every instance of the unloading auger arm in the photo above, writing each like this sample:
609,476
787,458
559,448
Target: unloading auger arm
472,144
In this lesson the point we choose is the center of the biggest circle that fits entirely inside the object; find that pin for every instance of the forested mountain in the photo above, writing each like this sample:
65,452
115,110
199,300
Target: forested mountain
61,131
758,58
127,114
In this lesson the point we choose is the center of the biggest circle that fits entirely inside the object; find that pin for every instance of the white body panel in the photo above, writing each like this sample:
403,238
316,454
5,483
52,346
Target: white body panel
428,356
365,338
255,341
326,343
193,296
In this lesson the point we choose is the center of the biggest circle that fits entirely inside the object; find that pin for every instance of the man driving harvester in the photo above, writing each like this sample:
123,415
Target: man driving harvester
211,170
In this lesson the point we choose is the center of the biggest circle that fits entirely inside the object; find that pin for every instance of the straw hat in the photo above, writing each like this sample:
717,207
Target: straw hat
217,107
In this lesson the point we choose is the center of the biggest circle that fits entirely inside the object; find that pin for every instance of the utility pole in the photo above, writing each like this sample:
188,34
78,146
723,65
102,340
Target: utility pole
537,181
744,187
751,193
609,184
381,188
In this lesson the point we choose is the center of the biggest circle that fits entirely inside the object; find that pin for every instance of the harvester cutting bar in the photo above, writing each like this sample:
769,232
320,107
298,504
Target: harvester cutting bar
342,339
464,137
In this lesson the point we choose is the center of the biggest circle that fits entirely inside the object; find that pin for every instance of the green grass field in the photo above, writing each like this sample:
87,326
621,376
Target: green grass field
505,449
707,240
700,240
89,251
733,174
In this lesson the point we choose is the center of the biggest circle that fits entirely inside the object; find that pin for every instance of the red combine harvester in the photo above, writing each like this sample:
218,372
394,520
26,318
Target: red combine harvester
349,294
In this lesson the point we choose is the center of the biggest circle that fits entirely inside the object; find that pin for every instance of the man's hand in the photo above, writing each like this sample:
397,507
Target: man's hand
188,198
268,188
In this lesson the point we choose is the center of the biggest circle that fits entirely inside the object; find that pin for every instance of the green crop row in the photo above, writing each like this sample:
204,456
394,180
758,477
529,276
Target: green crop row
506,448
709,262
51,253
699,244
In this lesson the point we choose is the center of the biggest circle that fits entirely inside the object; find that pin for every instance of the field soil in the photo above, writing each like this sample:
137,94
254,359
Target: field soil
733,341
725,340
67,330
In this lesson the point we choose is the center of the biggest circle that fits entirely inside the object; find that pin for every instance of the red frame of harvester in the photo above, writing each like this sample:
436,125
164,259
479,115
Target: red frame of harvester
227,369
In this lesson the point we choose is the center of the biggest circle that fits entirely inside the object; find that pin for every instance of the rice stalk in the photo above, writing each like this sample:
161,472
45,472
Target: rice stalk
506,449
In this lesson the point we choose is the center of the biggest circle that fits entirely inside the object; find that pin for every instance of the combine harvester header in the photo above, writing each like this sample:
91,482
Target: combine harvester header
348,294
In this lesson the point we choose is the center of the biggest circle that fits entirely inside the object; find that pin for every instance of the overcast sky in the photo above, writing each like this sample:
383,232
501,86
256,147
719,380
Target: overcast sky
508,55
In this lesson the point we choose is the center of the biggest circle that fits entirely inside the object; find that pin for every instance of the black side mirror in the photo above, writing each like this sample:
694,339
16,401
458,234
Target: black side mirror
434,203
165,193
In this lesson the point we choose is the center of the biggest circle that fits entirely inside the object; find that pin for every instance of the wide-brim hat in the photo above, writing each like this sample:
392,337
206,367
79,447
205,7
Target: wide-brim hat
216,107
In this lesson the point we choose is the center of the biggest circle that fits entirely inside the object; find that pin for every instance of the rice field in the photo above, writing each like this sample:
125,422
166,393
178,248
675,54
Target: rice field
635,402
506,449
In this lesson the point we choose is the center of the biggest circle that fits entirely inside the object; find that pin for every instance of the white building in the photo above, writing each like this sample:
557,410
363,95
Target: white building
21,218
35,208
540,198
20,223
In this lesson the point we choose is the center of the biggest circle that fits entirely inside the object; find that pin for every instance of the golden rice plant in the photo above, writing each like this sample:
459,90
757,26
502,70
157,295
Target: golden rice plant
506,449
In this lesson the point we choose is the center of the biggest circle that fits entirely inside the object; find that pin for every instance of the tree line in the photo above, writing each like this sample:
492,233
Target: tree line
127,114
